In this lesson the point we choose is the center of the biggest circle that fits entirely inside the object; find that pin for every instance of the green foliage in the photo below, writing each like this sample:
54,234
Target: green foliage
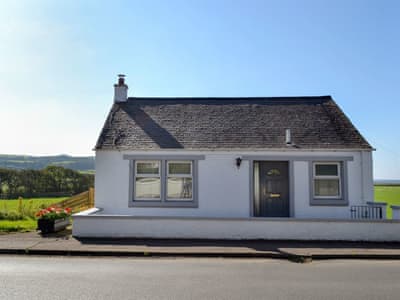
53,180
389,194
20,215
3,215
24,208
91,172
11,215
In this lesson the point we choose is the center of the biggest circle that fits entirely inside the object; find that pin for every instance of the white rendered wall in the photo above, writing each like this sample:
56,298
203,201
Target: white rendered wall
224,189
255,228
360,188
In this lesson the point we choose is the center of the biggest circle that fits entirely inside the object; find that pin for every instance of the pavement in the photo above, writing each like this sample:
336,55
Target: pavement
63,243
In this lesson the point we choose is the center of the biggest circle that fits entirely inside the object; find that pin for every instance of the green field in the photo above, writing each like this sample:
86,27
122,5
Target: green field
28,204
389,194
37,203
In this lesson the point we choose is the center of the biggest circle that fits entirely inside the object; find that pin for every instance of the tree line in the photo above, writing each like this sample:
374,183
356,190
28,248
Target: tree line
50,181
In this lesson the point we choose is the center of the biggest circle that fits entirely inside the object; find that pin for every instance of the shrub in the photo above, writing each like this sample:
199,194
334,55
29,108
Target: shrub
29,211
11,216
3,215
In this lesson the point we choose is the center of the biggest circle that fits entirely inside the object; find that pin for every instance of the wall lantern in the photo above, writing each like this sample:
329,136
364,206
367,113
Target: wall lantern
238,161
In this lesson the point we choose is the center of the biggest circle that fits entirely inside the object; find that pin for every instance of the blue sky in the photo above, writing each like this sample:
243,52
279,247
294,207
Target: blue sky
59,60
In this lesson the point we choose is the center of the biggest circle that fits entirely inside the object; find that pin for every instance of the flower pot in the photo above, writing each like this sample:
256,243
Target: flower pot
49,226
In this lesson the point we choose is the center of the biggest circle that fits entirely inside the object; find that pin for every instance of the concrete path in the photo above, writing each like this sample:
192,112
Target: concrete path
64,244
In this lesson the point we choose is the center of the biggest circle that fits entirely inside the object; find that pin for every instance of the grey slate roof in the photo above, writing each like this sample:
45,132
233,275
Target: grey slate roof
228,123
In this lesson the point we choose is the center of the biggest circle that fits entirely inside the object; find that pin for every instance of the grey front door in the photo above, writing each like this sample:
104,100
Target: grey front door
274,189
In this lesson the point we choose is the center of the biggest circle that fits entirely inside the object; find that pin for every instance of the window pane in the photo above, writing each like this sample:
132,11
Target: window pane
147,187
179,168
179,188
151,167
327,187
274,172
326,170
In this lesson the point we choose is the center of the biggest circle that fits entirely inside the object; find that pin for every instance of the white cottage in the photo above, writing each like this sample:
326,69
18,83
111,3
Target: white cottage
237,168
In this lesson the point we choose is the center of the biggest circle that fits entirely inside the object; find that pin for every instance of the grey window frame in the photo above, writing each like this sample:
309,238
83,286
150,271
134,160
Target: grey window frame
342,200
328,177
163,202
178,176
158,175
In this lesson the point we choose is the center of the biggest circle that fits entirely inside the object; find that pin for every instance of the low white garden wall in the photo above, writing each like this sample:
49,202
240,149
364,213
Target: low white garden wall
92,223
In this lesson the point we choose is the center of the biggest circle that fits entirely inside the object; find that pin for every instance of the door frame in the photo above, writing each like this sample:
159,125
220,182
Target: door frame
291,185
260,198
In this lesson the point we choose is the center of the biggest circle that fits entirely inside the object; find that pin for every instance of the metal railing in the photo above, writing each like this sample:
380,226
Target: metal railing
366,212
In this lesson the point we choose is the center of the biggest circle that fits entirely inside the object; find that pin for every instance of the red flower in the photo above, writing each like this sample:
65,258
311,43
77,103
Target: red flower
54,212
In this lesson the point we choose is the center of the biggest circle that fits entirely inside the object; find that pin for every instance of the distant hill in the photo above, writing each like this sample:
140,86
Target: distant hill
387,182
20,162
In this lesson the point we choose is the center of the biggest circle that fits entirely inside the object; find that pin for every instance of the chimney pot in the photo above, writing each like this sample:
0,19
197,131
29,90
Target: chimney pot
121,79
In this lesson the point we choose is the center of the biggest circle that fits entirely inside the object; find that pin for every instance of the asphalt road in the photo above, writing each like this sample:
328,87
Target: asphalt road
33,277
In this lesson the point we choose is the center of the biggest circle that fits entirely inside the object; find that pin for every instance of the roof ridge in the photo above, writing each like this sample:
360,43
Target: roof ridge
323,97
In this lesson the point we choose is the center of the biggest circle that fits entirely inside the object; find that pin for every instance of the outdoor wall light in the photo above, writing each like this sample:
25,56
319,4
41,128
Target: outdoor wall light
238,161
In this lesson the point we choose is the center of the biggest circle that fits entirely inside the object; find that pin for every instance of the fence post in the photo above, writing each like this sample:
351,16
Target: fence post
395,212
91,197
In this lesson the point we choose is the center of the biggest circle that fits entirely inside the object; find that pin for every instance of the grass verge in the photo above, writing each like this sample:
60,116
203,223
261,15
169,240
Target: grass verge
389,194
17,226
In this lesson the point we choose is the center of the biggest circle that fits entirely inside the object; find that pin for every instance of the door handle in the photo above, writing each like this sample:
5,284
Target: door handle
271,195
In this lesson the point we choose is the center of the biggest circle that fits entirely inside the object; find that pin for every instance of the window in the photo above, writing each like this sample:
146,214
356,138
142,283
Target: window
328,183
327,180
167,181
147,180
179,181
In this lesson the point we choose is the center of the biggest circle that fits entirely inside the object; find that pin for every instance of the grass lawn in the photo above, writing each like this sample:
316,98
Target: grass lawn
389,194
28,224
37,203
17,226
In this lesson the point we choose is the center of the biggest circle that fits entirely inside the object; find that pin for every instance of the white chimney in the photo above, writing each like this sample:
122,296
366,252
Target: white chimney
120,89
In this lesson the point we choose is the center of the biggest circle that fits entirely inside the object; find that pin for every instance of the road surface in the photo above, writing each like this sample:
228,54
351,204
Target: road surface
34,277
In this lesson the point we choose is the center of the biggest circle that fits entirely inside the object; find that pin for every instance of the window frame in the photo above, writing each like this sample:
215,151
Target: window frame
342,199
137,175
327,177
168,175
163,202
